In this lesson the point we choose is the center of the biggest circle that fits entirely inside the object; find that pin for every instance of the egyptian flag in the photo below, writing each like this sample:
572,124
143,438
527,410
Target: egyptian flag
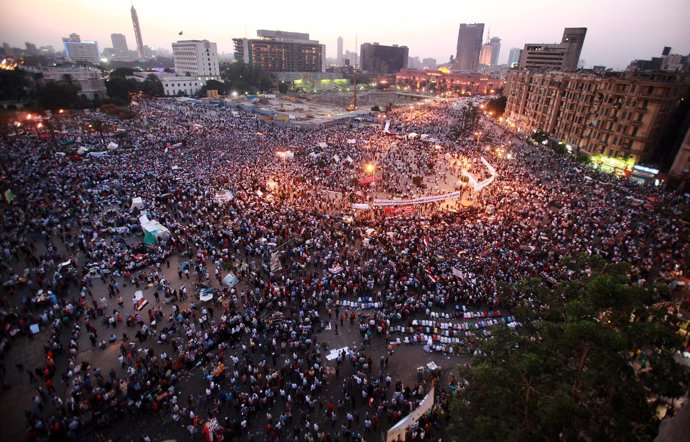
426,242
431,277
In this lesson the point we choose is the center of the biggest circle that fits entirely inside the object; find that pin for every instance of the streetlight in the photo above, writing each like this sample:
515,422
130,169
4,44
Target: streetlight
370,169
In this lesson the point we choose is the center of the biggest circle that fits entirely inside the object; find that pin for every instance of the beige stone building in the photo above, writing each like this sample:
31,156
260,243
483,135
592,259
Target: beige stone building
619,114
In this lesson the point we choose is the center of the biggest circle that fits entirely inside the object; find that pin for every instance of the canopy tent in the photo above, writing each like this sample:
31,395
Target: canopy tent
82,150
322,145
112,146
97,154
137,203
230,280
153,230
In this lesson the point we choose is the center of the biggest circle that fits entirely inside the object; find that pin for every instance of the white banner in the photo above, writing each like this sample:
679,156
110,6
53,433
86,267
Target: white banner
420,200
397,432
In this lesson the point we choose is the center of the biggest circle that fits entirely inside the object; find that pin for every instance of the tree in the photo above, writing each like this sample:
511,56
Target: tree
497,105
152,86
579,367
59,94
283,87
120,88
219,86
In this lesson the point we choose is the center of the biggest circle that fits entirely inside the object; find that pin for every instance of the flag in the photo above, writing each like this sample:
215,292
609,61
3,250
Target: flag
179,33
426,242
9,196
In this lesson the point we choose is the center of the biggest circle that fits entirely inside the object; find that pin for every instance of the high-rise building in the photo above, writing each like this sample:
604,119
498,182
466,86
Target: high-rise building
485,55
340,50
563,56
77,49
196,58
137,34
470,38
381,59
495,43
119,44
429,63
618,114
514,57
280,51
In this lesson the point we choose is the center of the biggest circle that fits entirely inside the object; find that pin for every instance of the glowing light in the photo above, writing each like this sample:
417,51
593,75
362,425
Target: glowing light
370,168
39,125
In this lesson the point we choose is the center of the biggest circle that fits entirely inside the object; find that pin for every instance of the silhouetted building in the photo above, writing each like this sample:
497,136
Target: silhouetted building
461,83
380,59
563,56
280,51
470,38
119,44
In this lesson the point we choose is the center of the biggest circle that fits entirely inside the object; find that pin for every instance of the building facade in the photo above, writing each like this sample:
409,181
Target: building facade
119,43
493,48
176,85
618,114
563,56
196,58
77,49
441,82
280,51
381,59
470,37
90,80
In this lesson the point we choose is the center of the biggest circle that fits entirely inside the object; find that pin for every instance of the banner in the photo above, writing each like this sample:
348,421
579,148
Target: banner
478,186
400,210
387,128
421,200
399,430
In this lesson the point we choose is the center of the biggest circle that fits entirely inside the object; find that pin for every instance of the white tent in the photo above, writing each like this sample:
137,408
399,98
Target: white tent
336,158
153,230
230,280
82,150
112,146
137,203
224,196
351,141
322,145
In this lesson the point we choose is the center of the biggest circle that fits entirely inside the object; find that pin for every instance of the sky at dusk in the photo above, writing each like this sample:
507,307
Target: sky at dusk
618,30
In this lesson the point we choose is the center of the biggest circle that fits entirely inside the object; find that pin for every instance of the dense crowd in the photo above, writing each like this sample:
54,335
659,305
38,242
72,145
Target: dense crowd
257,343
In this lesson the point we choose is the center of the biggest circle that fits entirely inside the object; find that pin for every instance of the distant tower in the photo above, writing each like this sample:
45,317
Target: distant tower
340,50
137,33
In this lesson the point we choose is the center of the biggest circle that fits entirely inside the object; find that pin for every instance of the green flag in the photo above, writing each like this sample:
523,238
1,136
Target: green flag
9,196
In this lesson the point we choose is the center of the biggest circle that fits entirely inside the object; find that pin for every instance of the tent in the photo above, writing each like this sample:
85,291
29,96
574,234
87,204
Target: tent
230,280
137,203
322,145
153,230
351,141
206,294
82,150
112,146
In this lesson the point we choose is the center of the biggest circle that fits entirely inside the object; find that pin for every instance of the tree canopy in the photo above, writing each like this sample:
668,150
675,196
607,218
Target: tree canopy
589,359
241,77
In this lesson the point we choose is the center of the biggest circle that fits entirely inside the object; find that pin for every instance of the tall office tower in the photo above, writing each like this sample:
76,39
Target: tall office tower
340,50
485,55
281,51
198,58
137,34
562,56
119,44
380,59
513,57
469,46
495,43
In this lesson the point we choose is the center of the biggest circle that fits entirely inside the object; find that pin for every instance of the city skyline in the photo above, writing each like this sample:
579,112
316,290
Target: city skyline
618,31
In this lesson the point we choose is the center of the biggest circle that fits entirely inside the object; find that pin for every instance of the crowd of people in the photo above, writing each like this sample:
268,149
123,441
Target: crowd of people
306,261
